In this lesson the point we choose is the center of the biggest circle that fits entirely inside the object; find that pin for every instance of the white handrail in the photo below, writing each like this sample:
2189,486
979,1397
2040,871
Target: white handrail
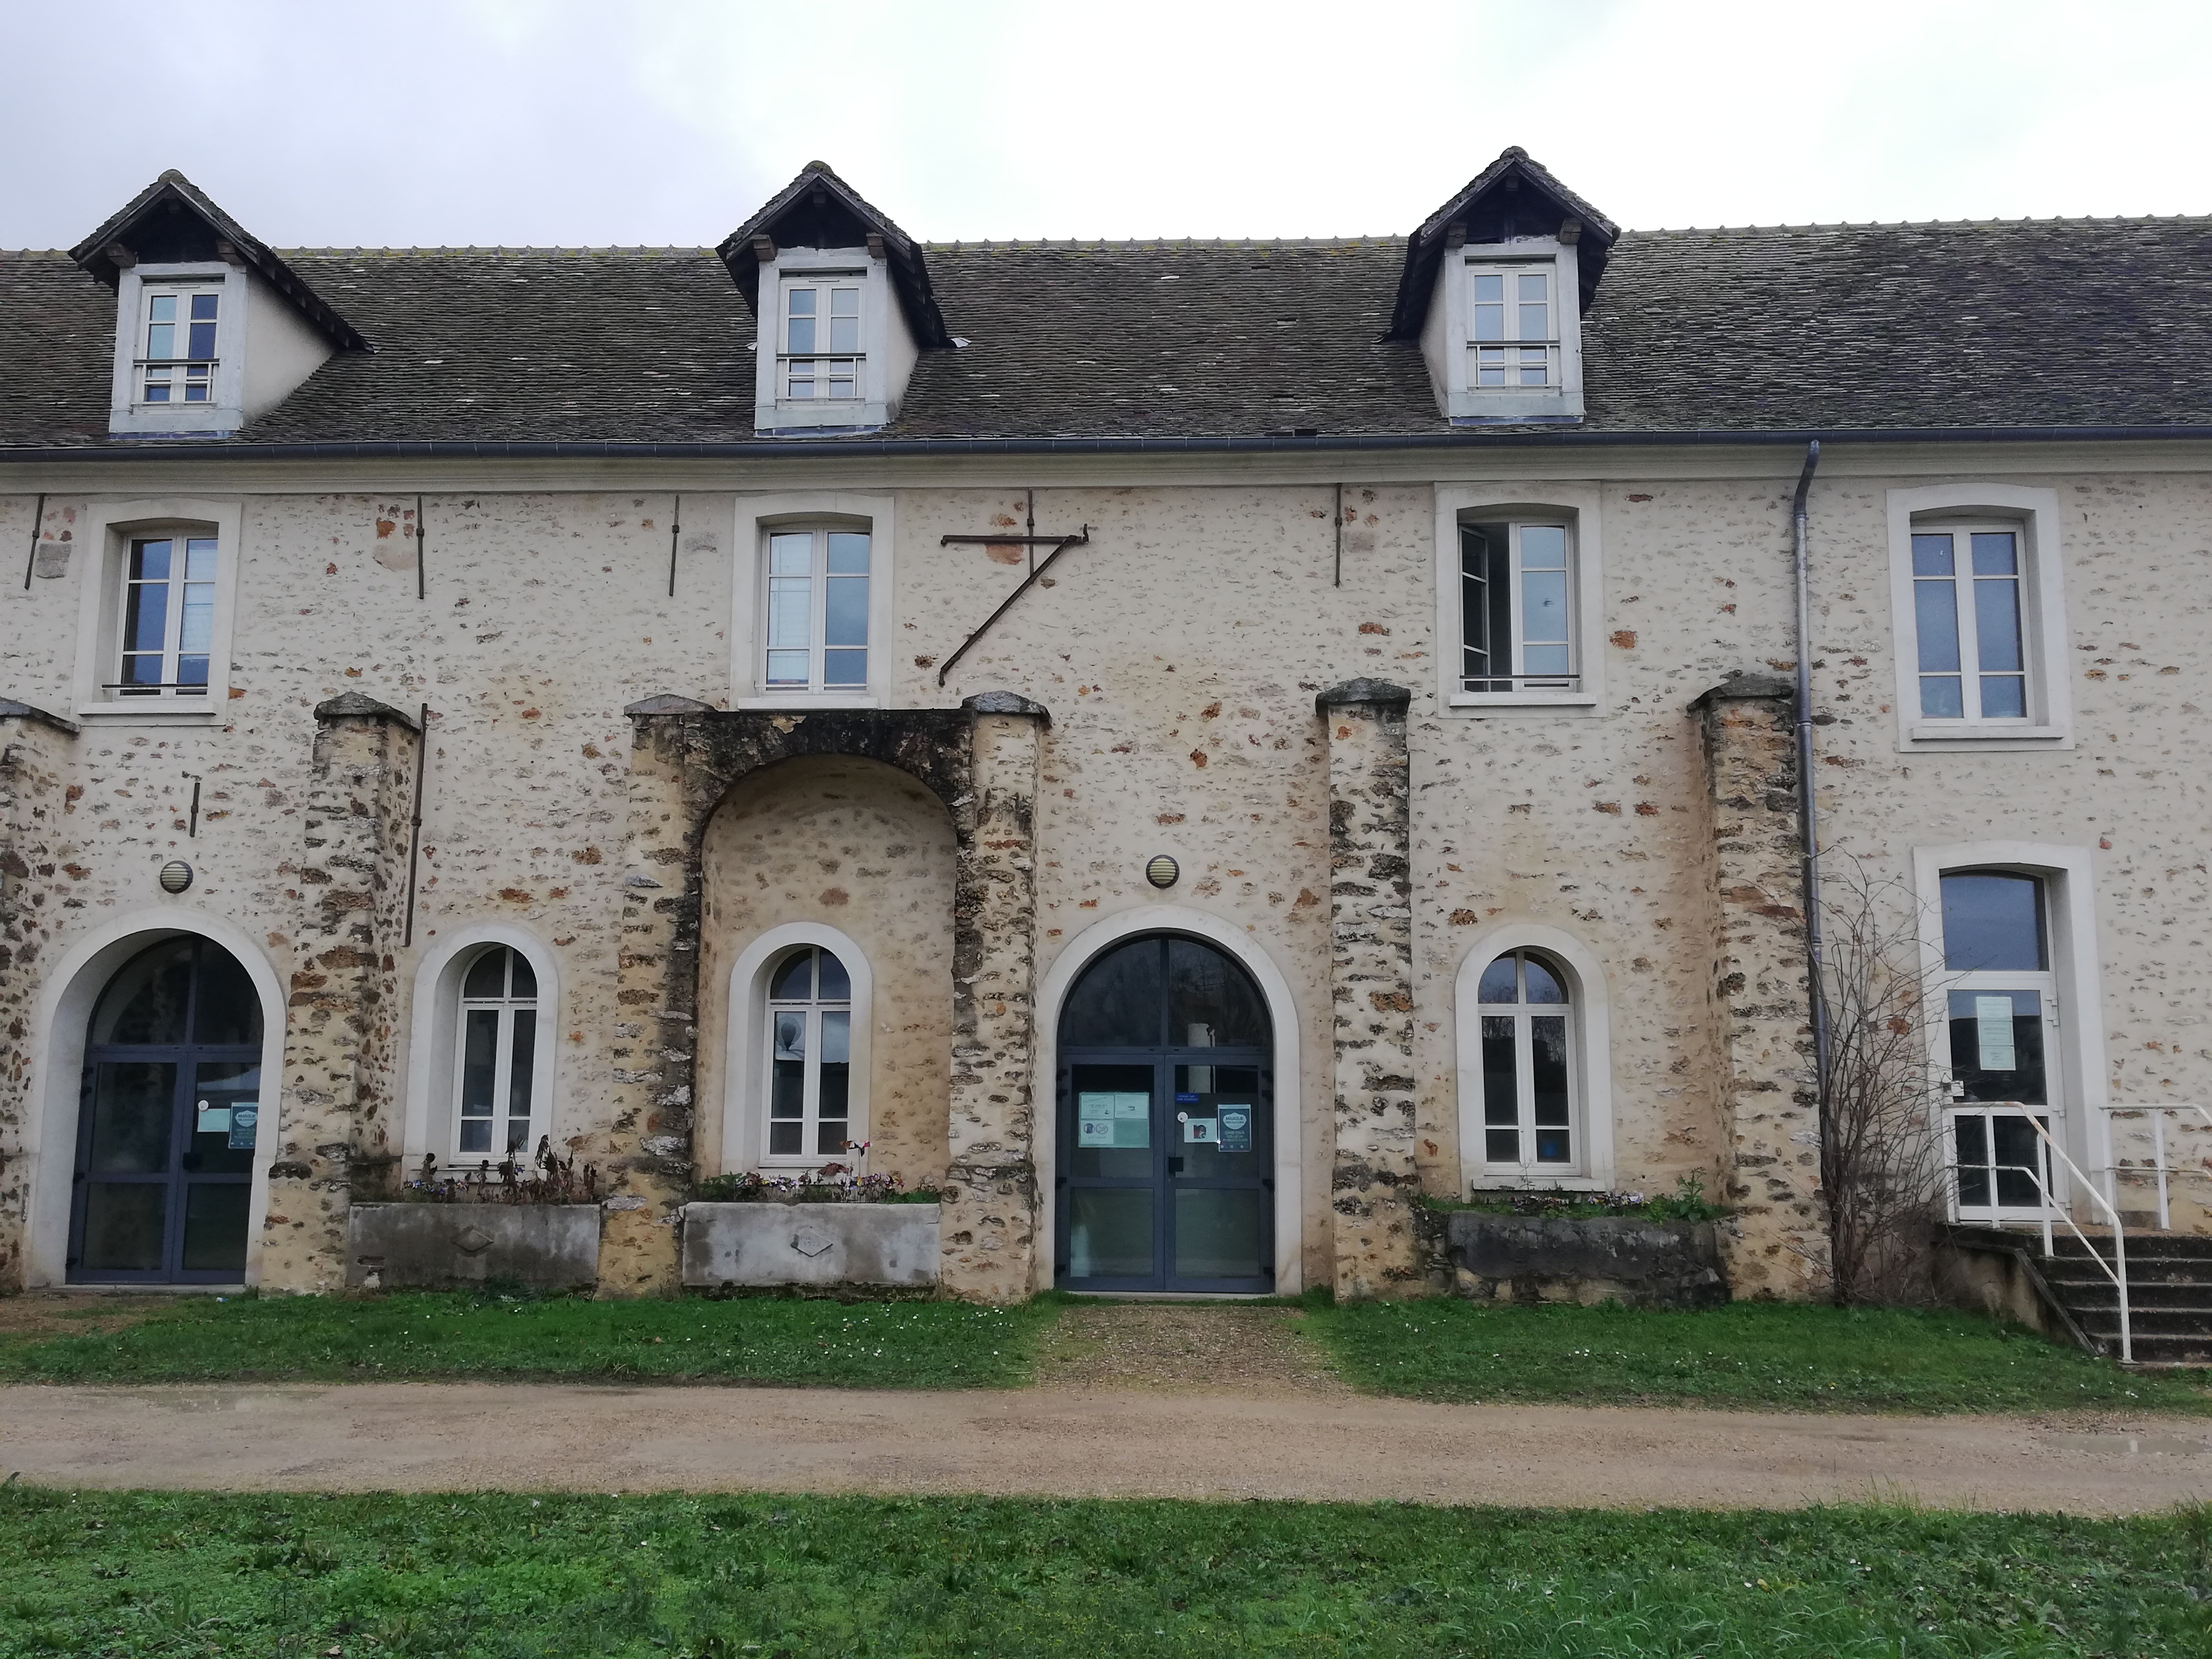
2116,1270
2159,1166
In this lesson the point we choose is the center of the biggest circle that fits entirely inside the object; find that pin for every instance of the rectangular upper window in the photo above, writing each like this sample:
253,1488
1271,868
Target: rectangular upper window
176,360
1513,336
819,354
167,628
1966,613
1976,594
815,637
1517,608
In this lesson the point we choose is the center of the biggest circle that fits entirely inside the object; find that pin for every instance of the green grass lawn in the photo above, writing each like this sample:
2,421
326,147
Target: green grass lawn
507,1577
893,1345
1747,1354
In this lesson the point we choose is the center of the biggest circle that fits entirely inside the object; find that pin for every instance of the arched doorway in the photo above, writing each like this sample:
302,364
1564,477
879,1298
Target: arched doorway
1166,1124
167,1120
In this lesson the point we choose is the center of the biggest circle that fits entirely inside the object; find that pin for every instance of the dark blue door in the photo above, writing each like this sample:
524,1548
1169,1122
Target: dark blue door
167,1122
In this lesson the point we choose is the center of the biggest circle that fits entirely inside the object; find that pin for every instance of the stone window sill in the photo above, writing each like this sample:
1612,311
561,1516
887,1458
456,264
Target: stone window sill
801,702
145,714
1940,733
1476,702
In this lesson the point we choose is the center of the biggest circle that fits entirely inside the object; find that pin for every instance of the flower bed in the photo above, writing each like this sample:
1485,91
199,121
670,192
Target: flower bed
761,1243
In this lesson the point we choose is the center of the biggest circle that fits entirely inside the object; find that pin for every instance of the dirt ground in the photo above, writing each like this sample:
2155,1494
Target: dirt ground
50,1313
1132,1400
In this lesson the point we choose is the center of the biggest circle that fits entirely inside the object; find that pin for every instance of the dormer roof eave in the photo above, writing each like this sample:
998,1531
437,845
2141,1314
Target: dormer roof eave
93,255
817,182
1426,246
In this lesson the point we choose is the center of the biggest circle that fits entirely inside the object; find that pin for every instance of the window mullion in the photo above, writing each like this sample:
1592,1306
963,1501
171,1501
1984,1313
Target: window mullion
1524,1083
503,1075
810,1108
817,614
1970,636
1514,604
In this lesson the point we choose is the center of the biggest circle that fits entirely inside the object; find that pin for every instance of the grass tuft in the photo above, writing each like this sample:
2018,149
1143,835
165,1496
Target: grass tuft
758,1339
1747,1354
498,1575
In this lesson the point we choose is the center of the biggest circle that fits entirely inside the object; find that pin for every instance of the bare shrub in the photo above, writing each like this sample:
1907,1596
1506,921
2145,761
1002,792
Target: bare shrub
1882,1146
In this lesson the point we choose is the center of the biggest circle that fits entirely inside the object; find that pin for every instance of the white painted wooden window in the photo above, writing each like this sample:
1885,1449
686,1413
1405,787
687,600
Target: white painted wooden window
2001,1040
167,630
1529,1095
816,610
820,356
1513,327
808,1088
1968,609
494,1084
176,362
1517,606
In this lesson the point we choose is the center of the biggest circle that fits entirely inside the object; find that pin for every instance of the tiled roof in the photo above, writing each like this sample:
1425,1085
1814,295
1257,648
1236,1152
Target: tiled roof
2023,324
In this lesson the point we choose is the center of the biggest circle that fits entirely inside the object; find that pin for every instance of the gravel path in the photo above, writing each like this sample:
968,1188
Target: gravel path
1076,1442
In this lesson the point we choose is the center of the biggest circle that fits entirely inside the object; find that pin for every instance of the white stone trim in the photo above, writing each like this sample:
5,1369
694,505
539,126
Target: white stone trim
2050,724
1590,1027
225,412
744,1058
756,516
1444,338
433,1026
104,534
1580,503
887,348
65,1012
2069,875
1290,1082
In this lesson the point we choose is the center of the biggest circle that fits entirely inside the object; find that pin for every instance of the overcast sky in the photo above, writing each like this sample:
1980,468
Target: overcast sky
408,123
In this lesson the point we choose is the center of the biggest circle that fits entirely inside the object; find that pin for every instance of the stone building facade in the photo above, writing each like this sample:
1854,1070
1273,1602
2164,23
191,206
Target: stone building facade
556,651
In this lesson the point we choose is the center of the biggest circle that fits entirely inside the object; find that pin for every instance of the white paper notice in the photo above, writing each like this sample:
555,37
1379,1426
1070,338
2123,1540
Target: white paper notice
1115,1119
1993,1031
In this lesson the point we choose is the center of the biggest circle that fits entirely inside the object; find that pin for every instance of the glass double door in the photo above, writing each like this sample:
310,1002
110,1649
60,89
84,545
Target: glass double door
167,1122
2002,1170
1166,1177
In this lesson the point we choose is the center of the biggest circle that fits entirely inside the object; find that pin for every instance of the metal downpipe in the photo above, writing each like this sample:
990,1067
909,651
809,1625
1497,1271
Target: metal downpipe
1808,810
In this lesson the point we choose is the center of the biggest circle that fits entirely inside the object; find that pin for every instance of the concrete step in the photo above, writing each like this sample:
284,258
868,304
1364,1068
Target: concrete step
2166,1297
2194,1322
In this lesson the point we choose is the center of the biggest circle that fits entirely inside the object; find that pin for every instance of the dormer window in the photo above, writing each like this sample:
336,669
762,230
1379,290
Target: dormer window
1515,339
179,361
822,316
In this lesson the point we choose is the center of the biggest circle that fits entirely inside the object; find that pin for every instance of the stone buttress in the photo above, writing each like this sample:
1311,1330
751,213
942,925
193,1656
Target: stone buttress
35,751
335,1128
980,761
1373,1183
1777,1245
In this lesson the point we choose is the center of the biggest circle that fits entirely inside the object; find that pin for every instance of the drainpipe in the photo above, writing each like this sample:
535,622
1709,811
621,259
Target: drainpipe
1808,813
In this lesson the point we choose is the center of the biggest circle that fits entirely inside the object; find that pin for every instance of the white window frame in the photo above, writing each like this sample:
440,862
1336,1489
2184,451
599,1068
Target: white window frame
749,1052
815,1010
1448,344
195,561
2032,515
886,353
821,579
1590,1069
224,411
174,372
758,517
1576,507
504,1007
431,1125
2075,1068
104,532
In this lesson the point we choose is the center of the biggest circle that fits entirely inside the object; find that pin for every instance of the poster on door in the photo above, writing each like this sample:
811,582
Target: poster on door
1110,1119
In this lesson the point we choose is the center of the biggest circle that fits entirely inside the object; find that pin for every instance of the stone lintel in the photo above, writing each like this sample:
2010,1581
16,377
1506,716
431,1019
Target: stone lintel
12,710
1363,690
1005,702
666,703
1746,688
358,706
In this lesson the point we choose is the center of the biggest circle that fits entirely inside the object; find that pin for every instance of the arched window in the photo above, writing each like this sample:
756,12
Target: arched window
809,1087
1529,1115
495,1089
166,1141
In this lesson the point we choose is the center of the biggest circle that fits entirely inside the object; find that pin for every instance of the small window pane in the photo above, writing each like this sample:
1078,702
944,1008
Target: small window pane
1996,626
1497,982
145,1001
203,306
1995,554
525,982
849,553
802,301
1117,1002
133,1113
479,1067
795,981
1971,1138
1993,924
521,1054
845,611
836,983
145,618
791,555
787,668
1535,322
1549,1069
1935,617
149,561
1931,555
1212,1002
487,975
163,307
226,1007
845,668
202,341
1543,985
790,609
160,340
1501,1104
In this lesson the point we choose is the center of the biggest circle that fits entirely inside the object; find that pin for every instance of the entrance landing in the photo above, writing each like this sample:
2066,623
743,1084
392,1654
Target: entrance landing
1180,1348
